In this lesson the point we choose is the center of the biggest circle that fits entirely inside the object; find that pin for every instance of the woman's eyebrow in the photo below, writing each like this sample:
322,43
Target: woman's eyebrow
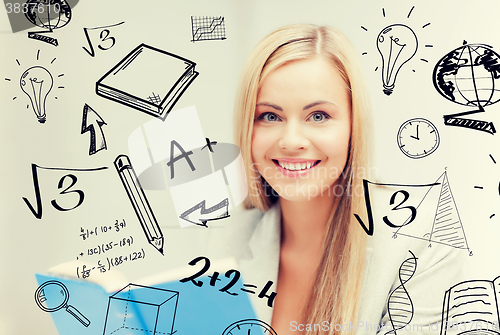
270,105
319,103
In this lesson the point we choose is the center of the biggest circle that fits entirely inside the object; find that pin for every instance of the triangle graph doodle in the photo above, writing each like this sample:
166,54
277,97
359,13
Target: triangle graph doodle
447,228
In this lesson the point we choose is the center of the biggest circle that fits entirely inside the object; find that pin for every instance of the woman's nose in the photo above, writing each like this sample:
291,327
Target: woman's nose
293,137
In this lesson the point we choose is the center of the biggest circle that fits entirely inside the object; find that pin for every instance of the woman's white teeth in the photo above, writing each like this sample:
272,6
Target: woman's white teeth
296,166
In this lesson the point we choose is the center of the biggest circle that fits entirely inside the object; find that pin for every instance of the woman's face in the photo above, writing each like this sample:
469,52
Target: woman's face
302,128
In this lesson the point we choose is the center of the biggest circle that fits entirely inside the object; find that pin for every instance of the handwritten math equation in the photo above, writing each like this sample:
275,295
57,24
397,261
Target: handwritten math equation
105,247
233,275
86,233
111,262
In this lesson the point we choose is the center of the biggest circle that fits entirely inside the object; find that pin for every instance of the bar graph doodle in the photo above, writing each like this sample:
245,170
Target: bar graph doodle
136,81
137,309
447,228
37,211
468,76
90,121
139,201
397,44
53,296
399,304
206,28
50,15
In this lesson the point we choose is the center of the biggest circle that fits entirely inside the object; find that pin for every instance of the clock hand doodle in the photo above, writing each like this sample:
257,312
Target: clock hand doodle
422,145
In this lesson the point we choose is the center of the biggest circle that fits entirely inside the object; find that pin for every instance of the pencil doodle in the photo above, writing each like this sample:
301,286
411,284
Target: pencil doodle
481,187
249,326
199,215
37,212
52,14
418,138
206,28
471,307
234,275
468,76
52,296
399,304
148,79
139,201
37,82
104,37
447,228
137,309
397,44
90,121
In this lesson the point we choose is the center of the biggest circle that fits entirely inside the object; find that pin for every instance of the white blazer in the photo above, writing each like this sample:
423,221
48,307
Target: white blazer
253,239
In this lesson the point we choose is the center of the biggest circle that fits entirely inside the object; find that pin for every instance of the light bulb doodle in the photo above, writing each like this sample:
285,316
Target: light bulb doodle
397,44
37,83
48,14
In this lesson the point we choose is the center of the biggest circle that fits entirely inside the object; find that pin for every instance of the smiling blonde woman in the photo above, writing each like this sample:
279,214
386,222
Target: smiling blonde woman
303,123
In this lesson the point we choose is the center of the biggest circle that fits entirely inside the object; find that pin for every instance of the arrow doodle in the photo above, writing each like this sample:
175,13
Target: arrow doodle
90,121
199,215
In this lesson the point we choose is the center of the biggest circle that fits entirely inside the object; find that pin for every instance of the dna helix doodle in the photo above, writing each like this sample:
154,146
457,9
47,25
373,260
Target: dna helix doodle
399,304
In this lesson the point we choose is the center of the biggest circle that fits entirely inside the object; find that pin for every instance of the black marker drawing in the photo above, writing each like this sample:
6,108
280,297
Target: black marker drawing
397,44
142,310
399,304
199,215
233,274
37,83
480,187
47,14
471,307
90,121
148,79
206,28
249,327
37,212
447,228
418,138
53,295
468,76
106,41
139,201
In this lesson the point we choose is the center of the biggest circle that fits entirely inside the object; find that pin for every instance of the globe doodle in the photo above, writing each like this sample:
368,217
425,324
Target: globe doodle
48,14
469,75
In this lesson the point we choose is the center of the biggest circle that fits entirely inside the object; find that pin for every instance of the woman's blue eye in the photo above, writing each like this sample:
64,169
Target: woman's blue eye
269,117
319,116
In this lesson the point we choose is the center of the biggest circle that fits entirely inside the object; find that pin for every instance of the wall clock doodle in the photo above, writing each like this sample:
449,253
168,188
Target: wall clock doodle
418,138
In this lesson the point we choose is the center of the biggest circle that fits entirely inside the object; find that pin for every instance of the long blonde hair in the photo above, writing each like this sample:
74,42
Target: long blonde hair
337,287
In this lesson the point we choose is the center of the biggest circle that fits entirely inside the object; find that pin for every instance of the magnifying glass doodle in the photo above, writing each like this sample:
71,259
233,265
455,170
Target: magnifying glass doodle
53,295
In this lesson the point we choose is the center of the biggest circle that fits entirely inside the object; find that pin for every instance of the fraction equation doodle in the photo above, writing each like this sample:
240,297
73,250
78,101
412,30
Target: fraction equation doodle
86,233
111,262
104,247
234,275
